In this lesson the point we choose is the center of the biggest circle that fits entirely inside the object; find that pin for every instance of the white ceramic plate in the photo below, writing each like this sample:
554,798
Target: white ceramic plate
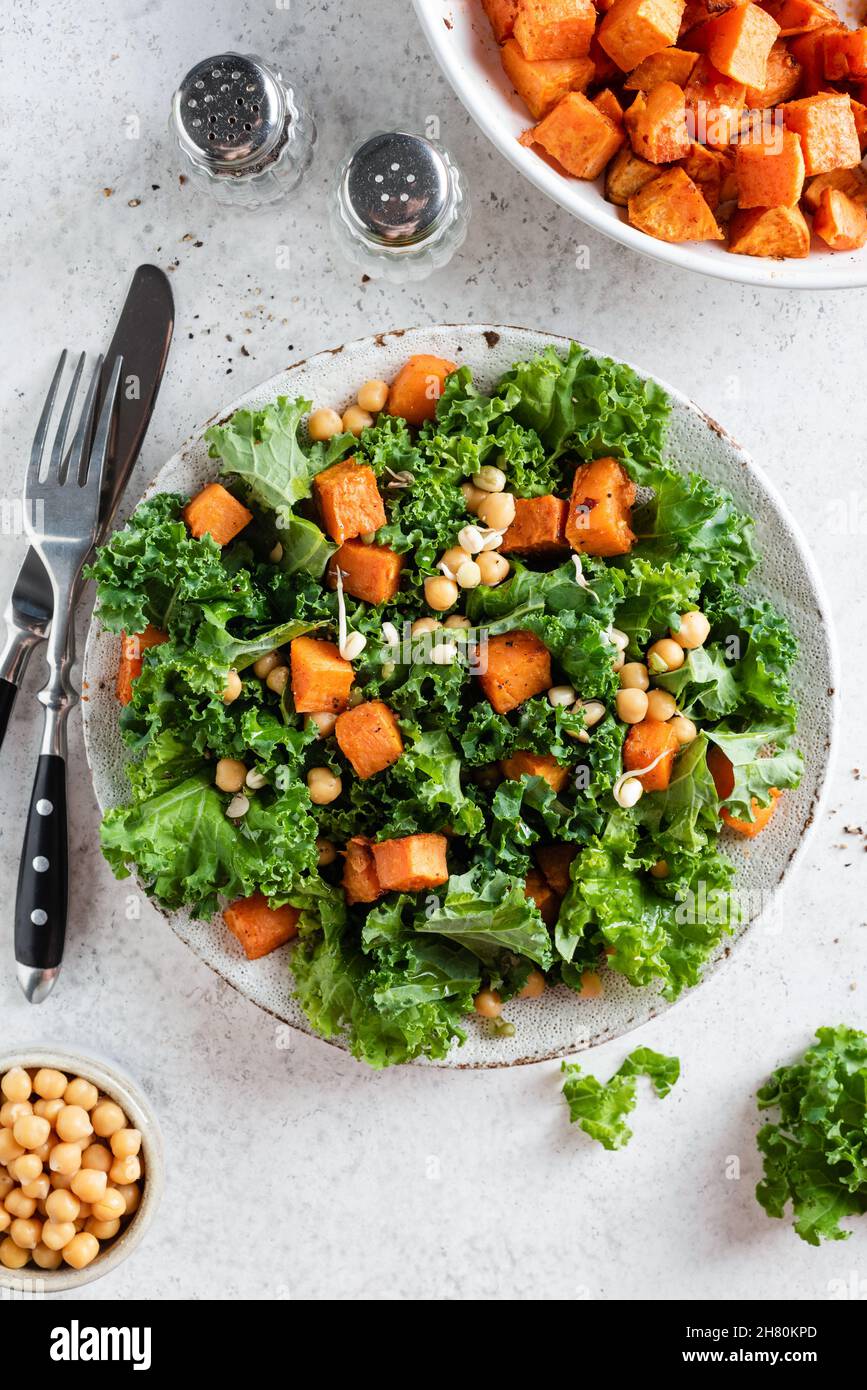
460,36
559,1022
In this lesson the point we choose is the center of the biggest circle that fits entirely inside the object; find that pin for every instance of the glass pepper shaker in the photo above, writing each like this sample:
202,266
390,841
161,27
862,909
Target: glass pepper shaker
400,208
244,133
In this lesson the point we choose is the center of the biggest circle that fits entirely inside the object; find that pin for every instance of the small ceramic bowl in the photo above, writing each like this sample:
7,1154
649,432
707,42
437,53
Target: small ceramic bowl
120,1088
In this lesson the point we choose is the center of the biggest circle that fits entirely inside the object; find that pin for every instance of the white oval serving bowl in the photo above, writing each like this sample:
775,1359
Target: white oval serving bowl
119,1087
460,35
558,1023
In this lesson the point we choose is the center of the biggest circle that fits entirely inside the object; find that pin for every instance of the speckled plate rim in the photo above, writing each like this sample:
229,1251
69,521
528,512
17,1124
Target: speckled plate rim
649,1003
455,27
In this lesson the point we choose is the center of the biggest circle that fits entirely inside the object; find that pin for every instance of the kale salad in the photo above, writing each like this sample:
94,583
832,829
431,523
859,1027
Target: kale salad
461,692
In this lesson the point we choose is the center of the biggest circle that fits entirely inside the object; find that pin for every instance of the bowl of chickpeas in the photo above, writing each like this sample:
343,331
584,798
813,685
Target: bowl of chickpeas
81,1169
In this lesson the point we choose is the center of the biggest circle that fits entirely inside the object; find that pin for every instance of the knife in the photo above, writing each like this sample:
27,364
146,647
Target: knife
142,338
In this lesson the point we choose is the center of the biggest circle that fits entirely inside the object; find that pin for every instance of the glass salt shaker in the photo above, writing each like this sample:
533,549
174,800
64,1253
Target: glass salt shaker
400,208
245,135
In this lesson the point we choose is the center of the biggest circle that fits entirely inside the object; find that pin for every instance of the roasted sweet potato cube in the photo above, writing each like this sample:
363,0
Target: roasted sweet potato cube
599,508
360,883
541,84
761,816
370,572
670,65
606,102
417,388
632,30
808,50
215,512
672,208
539,891
645,742
658,129
527,764
627,175
555,861
840,222
800,16
411,864
132,649
260,928
738,43
859,112
578,135
852,182
774,232
518,666
782,78
369,737
501,13
715,103
826,126
349,500
708,170
770,175
606,70
321,679
845,54
539,527
548,29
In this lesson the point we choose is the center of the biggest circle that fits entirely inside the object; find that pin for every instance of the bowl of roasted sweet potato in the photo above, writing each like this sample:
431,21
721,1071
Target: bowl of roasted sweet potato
725,138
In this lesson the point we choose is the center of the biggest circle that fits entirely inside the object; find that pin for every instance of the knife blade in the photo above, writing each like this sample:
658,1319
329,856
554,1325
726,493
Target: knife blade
142,338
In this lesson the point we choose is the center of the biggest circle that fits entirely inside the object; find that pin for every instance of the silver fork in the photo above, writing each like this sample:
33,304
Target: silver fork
61,516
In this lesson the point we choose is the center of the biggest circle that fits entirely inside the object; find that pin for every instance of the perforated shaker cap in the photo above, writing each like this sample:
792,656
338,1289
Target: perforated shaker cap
230,113
396,188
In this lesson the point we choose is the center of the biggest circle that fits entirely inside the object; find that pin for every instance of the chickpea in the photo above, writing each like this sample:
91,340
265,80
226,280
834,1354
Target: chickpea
473,496
232,688
618,662
469,576
31,1131
11,1255
489,479
65,1159
591,985
324,721
56,1234
89,1184
81,1092
73,1123
6,1185
8,1147
355,420
49,1084
488,1003
16,1084
125,1170
278,679
98,1156
126,1143
424,625
39,1188
18,1205
81,1251
131,1194
659,869
664,655
454,558
5,1220
457,620
62,1206
111,1205
26,1232
265,664
631,706
633,676
323,424
48,1109
14,1110
275,554
103,1230
693,631
26,1169
372,396
107,1119
684,730
62,1181
324,787
535,986
440,593
45,1258
498,511
229,774
494,568
325,854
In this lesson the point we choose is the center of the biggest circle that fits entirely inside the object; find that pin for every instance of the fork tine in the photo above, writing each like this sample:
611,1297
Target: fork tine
58,466
92,474
82,436
38,448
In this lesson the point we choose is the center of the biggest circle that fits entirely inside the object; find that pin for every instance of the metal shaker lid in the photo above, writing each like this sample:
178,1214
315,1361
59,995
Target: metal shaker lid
396,188
230,112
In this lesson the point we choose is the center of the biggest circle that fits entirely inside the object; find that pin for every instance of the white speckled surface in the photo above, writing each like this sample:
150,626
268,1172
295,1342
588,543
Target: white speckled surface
415,1183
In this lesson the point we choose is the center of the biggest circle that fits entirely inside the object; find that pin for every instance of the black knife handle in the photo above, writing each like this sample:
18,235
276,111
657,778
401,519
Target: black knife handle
40,908
8,691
